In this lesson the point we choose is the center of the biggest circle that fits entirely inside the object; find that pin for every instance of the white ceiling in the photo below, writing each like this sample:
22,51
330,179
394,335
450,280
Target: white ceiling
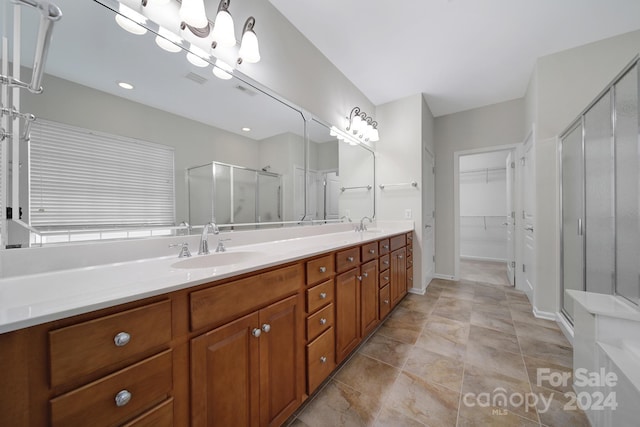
460,54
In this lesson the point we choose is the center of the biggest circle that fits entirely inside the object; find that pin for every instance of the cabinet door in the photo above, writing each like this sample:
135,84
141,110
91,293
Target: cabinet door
281,361
225,375
347,313
369,296
398,275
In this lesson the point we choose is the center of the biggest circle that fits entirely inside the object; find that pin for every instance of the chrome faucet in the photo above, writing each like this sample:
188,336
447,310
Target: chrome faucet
363,227
345,217
184,249
204,243
220,247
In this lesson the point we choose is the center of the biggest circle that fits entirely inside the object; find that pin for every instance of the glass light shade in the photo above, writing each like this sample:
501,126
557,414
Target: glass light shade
249,50
374,135
223,33
332,131
356,124
192,13
130,20
196,56
168,41
222,70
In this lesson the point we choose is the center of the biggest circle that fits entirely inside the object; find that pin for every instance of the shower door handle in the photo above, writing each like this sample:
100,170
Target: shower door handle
580,229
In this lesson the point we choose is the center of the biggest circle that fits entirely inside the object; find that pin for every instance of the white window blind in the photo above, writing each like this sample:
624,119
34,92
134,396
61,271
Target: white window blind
82,179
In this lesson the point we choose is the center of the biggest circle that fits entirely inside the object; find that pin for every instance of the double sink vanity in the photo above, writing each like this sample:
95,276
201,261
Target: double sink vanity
241,337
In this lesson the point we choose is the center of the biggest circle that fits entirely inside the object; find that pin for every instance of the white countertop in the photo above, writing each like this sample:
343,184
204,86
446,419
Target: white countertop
28,300
605,305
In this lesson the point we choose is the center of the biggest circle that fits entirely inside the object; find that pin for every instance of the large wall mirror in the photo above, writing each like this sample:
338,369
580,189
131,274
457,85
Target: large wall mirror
238,152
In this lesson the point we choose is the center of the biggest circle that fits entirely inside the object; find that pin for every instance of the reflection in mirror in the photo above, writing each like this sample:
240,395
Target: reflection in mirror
341,175
173,103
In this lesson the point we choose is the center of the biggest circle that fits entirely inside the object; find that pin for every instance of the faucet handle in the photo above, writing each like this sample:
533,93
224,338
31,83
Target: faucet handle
220,247
184,249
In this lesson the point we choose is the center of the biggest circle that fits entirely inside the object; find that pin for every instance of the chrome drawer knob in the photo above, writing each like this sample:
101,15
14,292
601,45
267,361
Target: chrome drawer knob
385,246
350,259
323,269
386,301
256,332
386,277
121,339
386,262
323,359
323,321
266,327
365,274
323,295
372,251
359,278
400,257
123,397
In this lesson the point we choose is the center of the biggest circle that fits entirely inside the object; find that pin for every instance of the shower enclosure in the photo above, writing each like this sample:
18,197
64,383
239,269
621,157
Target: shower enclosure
228,194
600,159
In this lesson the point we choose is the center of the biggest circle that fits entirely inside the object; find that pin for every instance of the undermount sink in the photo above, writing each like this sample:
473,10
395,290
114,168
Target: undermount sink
217,259
373,230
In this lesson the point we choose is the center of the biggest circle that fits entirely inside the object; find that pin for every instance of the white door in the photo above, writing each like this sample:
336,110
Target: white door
510,219
527,224
298,193
428,219
332,193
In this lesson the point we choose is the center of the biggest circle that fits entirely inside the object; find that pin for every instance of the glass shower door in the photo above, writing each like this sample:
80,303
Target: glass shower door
599,197
572,216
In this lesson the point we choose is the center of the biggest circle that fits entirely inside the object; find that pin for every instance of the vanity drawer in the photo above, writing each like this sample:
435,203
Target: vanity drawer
321,359
319,322
160,416
409,278
347,259
398,241
320,269
409,238
385,302
384,262
81,349
319,295
409,257
369,251
224,303
148,383
384,278
383,246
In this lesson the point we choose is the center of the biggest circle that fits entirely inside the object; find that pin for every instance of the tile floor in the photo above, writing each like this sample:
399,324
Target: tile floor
438,358
488,272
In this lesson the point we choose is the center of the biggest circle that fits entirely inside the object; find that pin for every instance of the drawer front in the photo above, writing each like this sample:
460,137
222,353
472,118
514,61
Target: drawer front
384,262
160,416
148,383
320,322
385,302
319,296
211,307
409,257
384,247
409,238
84,348
320,269
320,359
348,259
385,276
398,241
409,278
369,251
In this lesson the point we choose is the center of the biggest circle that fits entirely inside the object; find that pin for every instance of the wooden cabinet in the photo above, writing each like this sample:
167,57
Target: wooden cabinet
347,313
369,293
385,302
398,270
247,373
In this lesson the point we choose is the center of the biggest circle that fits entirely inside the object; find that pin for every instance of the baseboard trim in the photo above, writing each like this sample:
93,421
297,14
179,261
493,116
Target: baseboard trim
547,315
444,277
417,291
565,327
480,258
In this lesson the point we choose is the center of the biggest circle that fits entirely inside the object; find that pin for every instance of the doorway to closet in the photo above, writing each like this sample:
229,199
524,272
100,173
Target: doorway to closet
487,217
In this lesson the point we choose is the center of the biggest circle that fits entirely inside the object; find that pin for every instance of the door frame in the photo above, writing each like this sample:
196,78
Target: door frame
456,196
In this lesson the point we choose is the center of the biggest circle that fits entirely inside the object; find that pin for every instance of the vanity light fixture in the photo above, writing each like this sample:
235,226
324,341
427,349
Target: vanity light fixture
249,49
222,70
223,33
343,136
130,20
194,18
168,40
197,56
362,126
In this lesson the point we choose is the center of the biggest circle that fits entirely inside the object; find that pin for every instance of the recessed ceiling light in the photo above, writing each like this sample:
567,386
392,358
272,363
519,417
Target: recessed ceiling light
246,129
125,85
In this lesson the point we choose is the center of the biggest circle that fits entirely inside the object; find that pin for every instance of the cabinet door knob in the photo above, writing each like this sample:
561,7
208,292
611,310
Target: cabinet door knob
123,397
386,301
323,295
372,251
121,339
350,259
256,332
323,269
385,246
400,257
323,321
323,359
365,274
359,278
266,327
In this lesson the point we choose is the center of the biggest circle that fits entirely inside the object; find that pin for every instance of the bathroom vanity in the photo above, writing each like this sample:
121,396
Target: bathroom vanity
239,344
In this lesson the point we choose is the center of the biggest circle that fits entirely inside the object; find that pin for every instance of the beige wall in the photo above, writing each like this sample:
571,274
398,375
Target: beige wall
494,125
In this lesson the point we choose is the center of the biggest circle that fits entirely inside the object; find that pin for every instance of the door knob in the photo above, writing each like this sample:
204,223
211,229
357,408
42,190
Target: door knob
266,327
256,332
